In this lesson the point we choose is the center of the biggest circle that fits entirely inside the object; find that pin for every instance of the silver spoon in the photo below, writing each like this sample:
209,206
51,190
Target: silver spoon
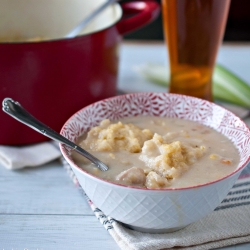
74,32
15,110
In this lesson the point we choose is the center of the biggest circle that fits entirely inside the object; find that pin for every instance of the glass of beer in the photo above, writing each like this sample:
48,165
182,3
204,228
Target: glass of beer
193,32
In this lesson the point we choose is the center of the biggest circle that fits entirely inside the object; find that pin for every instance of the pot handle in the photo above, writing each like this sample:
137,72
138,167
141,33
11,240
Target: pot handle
143,12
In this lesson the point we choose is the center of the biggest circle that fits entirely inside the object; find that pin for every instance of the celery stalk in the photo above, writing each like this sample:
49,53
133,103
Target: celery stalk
226,86
155,73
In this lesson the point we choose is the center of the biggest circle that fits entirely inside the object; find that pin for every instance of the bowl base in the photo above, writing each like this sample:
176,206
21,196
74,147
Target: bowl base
153,230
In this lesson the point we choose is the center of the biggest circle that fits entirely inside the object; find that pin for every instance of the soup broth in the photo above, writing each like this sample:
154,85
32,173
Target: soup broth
158,152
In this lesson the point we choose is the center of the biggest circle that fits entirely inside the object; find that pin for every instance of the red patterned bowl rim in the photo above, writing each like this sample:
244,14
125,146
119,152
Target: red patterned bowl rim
65,150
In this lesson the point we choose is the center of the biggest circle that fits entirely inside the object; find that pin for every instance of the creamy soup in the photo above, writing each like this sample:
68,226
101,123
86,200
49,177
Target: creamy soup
158,152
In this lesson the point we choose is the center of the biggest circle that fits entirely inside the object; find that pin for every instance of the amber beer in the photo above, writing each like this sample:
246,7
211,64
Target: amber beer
193,31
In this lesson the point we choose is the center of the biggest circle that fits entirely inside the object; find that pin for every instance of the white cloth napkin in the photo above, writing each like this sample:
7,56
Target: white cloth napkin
28,156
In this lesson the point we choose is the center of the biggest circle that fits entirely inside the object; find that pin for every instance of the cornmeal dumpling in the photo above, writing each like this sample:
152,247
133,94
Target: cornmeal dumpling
169,160
155,181
115,137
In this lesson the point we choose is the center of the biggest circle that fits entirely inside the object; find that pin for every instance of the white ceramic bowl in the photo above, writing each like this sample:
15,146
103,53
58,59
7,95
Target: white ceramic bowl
157,210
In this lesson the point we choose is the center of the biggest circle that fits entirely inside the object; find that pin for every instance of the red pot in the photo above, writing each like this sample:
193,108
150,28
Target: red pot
53,79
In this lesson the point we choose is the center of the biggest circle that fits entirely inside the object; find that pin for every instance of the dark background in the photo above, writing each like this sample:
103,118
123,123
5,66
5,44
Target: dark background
237,29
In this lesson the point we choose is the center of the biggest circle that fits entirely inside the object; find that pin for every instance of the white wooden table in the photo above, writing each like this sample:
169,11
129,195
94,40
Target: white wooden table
41,209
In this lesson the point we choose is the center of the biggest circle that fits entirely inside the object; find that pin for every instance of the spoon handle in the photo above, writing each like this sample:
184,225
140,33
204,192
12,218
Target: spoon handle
89,18
15,110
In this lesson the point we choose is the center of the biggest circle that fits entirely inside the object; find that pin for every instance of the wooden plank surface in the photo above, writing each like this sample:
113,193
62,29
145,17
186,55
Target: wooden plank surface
42,190
41,208
50,232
